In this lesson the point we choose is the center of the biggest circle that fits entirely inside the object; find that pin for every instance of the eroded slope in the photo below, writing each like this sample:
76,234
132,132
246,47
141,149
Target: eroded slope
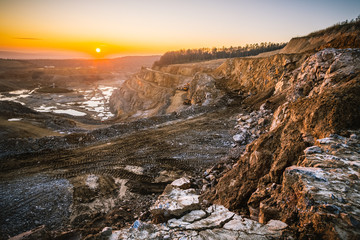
320,97
167,89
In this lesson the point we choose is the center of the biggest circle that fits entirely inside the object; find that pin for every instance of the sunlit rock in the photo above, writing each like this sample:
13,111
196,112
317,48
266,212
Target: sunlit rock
182,183
175,202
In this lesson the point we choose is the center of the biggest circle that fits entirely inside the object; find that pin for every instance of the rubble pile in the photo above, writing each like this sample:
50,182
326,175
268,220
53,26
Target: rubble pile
250,126
192,219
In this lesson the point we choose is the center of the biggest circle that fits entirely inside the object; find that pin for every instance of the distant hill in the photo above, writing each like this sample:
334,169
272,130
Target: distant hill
39,55
27,74
128,63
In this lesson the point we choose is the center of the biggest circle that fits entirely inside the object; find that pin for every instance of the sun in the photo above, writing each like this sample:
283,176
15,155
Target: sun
98,50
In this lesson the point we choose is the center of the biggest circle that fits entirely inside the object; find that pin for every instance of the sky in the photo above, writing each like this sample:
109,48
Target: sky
75,28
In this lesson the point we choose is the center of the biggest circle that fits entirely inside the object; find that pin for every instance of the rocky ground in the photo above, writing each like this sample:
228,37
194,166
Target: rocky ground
322,189
189,218
331,198
108,182
247,148
112,182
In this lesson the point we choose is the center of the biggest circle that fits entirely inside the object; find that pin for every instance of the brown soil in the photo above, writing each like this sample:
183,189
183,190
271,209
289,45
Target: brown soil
165,152
23,129
53,90
340,37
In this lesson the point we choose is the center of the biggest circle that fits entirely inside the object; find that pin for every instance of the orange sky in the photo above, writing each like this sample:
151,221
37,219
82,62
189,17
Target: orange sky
75,28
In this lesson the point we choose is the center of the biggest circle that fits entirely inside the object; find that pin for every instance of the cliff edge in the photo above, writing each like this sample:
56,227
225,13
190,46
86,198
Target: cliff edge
338,36
288,173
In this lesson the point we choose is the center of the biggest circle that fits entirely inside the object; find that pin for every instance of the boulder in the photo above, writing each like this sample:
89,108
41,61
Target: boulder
216,222
240,138
174,202
182,183
276,225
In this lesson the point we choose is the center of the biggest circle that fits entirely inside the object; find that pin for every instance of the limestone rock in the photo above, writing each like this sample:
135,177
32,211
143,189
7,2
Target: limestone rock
217,223
174,203
182,183
276,225
240,138
325,186
245,225
250,127
218,216
319,97
193,216
313,149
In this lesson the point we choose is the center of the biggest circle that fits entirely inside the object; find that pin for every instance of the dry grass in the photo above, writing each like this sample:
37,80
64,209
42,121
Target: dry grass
340,27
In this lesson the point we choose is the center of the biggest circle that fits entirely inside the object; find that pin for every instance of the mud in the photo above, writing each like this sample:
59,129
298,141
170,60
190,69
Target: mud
26,198
112,182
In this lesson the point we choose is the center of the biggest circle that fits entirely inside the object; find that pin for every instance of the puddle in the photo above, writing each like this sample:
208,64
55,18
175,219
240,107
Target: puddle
98,101
16,96
43,108
14,119
94,102
19,92
12,99
70,112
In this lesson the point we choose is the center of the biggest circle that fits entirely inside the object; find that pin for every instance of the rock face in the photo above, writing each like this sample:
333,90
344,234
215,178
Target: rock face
174,202
289,176
317,97
257,76
166,89
321,192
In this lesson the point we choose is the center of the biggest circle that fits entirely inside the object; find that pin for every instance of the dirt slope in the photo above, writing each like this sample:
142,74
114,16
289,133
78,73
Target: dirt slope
339,36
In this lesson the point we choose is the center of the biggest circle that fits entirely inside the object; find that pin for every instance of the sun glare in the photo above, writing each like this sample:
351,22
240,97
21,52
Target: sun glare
98,50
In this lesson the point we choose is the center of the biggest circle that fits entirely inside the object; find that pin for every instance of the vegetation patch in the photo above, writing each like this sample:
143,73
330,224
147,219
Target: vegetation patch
204,54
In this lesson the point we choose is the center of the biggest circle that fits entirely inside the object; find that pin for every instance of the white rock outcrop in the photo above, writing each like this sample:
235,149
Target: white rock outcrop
214,222
175,201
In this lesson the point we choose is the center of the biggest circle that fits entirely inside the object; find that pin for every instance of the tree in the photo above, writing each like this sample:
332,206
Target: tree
201,54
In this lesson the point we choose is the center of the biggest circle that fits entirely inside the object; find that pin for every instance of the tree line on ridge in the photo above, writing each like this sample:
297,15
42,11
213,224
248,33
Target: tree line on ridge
202,54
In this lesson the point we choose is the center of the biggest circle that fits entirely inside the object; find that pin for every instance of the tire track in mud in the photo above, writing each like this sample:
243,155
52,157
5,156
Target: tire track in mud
190,146
26,200
185,145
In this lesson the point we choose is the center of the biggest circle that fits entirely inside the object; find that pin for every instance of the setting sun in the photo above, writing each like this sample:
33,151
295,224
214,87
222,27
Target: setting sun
179,119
